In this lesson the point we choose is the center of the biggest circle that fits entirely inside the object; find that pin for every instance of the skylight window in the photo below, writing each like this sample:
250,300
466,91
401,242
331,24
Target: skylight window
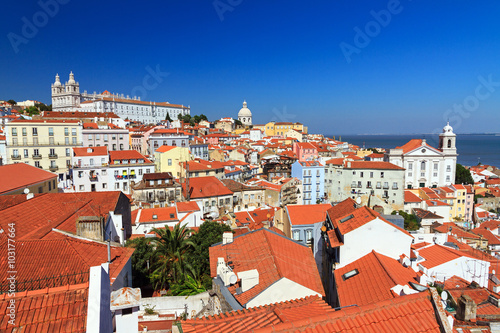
346,218
155,217
350,274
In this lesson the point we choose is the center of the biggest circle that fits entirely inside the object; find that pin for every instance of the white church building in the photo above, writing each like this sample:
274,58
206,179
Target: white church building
245,115
67,97
425,165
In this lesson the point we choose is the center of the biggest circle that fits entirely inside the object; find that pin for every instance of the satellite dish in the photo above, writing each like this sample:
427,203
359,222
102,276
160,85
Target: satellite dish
444,295
407,290
358,200
26,191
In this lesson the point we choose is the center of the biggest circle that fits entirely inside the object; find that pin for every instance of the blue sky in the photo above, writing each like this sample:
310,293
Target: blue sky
285,58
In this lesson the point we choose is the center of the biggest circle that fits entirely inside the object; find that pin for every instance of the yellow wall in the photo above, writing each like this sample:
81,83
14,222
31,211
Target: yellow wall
60,142
170,161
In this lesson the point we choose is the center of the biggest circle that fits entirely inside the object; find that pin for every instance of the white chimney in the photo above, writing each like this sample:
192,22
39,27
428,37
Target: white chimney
227,237
249,279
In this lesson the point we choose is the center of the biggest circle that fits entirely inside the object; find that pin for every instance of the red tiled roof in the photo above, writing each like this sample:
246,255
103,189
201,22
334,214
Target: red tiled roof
35,218
204,187
436,255
377,274
259,317
455,230
48,121
61,309
115,155
165,148
373,165
163,214
91,151
21,175
335,161
90,125
359,217
274,257
491,224
187,206
43,259
411,197
78,114
307,214
405,314
134,101
342,208
490,237
411,145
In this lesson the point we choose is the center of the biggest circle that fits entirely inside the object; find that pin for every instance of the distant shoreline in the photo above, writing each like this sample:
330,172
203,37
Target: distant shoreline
410,134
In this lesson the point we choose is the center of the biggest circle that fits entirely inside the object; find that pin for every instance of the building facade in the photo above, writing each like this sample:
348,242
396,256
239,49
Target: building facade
245,115
67,97
110,136
312,175
45,144
427,166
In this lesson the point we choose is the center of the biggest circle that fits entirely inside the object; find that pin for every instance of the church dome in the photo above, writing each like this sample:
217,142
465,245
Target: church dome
448,128
244,111
58,81
71,78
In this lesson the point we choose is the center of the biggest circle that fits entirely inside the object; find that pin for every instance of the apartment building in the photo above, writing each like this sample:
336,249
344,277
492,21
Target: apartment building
45,144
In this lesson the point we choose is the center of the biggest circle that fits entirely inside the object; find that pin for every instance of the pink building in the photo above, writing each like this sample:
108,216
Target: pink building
305,151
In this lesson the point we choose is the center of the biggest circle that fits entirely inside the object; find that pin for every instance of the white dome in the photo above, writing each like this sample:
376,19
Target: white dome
71,78
244,111
448,128
58,81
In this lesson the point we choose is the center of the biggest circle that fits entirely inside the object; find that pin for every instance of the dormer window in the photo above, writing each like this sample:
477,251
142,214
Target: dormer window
155,217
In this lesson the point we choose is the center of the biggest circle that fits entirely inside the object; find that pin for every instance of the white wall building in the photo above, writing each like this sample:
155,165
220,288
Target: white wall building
67,97
427,166
245,115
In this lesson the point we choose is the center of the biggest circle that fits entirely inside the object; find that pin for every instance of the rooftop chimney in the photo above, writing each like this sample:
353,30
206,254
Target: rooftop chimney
227,237
466,309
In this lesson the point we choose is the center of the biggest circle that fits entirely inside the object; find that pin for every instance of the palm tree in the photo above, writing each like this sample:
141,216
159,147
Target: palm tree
172,247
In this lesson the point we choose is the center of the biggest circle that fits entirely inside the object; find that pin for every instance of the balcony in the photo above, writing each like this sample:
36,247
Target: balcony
161,196
52,156
394,187
15,157
93,178
53,168
37,157
386,187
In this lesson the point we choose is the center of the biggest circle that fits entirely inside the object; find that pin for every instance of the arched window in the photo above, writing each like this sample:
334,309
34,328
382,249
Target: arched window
422,165
449,143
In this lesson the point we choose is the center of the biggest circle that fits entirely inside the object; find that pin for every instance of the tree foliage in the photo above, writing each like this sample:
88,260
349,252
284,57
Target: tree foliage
32,110
170,255
11,102
463,175
142,255
43,107
411,221
167,118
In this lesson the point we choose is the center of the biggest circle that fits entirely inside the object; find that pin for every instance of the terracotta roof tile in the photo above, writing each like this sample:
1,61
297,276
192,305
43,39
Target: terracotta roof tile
259,317
91,151
187,206
63,308
205,187
127,155
21,175
307,214
373,165
377,274
411,197
274,257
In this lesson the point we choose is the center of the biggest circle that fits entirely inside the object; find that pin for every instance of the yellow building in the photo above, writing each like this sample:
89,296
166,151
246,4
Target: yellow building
281,128
168,159
46,144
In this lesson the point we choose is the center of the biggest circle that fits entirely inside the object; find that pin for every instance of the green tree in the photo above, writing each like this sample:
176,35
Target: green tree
192,285
167,118
43,107
172,247
143,255
32,110
463,175
197,119
210,233
238,123
203,117
179,116
186,118
12,102
411,221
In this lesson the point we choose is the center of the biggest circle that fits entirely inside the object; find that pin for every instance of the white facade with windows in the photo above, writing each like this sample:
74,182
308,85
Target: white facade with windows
113,138
67,97
427,166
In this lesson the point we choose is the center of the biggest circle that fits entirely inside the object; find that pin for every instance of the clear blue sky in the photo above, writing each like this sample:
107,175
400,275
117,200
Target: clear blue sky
283,57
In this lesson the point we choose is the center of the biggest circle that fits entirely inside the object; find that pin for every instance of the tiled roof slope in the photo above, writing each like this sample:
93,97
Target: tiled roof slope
377,274
342,208
205,187
259,317
274,256
20,175
307,214
412,313
35,218
39,259
61,310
